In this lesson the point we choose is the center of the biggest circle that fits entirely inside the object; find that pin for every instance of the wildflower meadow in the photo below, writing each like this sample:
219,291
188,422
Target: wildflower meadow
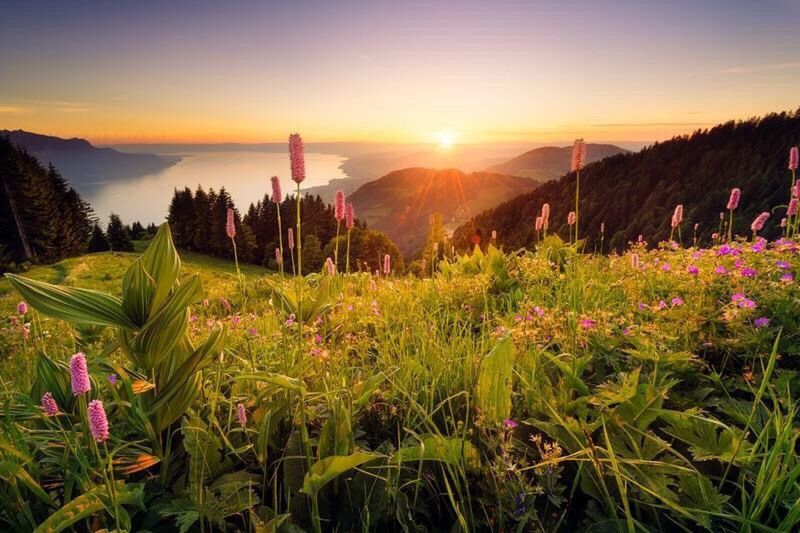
544,389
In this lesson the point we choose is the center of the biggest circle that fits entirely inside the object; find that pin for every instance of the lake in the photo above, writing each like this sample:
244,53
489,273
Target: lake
245,175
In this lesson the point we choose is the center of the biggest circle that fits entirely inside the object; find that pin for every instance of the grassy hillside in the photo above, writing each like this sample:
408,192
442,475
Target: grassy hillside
533,391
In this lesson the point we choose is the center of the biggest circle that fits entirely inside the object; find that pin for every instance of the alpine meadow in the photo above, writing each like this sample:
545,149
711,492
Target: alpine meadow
482,286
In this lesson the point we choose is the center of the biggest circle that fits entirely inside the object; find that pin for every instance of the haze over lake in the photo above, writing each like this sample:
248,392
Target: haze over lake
245,175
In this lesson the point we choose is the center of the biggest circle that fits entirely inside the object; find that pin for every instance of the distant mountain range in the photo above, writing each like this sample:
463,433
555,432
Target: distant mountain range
400,203
636,193
82,163
551,162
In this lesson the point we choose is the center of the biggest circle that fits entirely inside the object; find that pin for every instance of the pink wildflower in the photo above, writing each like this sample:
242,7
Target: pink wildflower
693,270
98,422
230,226
387,264
587,323
79,374
349,216
510,424
330,267
578,155
793,158
22,308
290,236
759,221
792,211
241,414
296,158
677,301
49,404
571,218
276,189
278,256
677,216
539,223
733,201
338,206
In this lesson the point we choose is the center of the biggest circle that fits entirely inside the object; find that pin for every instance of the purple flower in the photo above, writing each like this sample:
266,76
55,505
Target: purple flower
49,404
742,301
252,332
642,306
297,158
661,304
98,422
628,331
665,267
225,304
276,189
761,322
782,264
510,424
587,323
112,379
693,270
538,310
721,270
748,272
787,277
241,414
733,201
22,308
677,301
79,374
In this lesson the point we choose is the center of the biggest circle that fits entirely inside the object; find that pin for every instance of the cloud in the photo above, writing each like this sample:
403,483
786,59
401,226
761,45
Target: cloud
768,67
11,109
72,109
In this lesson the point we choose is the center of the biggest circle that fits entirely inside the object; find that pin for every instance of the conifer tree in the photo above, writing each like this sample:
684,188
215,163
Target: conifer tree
98,241
118,237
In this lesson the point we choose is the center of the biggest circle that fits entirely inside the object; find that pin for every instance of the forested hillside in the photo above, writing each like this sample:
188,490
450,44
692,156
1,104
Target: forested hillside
42,218
635,194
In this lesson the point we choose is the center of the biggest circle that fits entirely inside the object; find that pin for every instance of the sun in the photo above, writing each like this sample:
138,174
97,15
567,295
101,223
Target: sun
446,139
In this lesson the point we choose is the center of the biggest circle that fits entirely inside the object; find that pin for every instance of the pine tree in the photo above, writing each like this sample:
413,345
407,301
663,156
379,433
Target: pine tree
137,231
118,237
98,242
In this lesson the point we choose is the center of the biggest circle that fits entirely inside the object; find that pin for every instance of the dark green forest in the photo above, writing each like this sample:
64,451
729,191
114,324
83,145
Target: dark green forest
42,218
198,219
636,193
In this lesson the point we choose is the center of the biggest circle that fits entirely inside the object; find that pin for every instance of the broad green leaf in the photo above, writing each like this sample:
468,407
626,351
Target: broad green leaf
451,450
494,382
137,292
163,264
88,504
332,467
10,470
279,380
707,438
336,437
81,306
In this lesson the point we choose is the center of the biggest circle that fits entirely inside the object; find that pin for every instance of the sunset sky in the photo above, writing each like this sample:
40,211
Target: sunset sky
406,71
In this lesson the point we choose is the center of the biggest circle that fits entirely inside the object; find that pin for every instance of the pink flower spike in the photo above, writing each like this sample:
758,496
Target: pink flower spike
297,158
349,216
338,206
578,155
759,221
22,308
98,422
278,256
230,225
276,189
733,201
241,414
387,264
571,218
79,374
49,404
290,236
792,210
793,158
